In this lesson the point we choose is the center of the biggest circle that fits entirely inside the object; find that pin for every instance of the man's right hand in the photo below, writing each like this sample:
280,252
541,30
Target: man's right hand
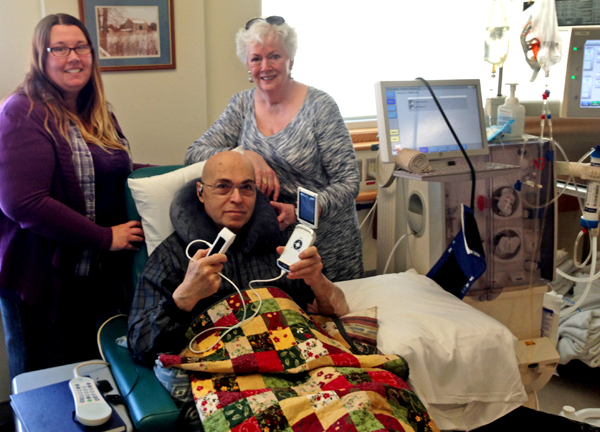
201,280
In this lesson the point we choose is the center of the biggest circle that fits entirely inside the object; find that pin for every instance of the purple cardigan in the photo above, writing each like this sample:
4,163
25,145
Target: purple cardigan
42,222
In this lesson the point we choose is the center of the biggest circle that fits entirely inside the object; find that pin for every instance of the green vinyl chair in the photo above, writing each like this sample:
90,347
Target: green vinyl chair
150,406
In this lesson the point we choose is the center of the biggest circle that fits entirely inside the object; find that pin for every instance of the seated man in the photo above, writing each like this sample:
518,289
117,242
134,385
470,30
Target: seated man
279,370
173,289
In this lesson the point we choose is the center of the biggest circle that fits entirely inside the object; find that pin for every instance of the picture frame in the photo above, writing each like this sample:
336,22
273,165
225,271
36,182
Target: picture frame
131,34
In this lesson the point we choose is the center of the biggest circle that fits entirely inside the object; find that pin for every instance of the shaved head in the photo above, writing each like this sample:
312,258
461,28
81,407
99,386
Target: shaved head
226,162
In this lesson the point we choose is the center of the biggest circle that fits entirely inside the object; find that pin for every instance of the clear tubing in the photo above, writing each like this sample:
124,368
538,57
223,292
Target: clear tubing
568,311
583,264
569,180
578,279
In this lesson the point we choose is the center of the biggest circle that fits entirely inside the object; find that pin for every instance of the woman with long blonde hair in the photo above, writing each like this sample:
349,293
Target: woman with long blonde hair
63,166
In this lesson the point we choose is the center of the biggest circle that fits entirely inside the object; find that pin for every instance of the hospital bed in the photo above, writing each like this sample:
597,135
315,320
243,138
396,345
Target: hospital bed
462,362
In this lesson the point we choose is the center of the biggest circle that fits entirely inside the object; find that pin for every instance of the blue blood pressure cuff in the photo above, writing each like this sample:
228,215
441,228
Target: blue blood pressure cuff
464,260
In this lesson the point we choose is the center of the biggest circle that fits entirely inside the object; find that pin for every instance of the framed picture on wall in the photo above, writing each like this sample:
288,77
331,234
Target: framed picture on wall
131,34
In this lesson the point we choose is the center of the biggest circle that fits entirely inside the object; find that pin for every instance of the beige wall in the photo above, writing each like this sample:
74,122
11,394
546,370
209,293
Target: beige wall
17,20
161,112
225,73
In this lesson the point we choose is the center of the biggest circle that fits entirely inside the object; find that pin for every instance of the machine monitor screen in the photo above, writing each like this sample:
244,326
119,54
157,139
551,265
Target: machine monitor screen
408,117
582,83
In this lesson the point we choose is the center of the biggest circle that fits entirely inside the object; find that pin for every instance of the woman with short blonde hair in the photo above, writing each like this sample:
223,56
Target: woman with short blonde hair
295,137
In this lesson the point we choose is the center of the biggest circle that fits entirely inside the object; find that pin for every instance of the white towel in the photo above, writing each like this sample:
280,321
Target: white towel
579,338
569,351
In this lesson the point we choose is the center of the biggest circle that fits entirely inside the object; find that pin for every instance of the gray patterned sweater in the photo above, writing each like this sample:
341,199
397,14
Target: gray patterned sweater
313,151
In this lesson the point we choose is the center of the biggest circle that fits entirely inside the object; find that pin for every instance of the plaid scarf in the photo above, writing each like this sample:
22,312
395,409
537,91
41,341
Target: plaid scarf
84,167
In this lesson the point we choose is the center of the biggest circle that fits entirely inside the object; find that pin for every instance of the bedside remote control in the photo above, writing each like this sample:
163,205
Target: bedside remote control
90,407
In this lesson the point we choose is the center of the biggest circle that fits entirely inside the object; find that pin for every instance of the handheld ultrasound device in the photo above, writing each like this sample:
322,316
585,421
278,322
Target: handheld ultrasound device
303,237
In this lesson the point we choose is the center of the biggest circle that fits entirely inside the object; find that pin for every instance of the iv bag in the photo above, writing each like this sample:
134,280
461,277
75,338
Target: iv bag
496,41
540,39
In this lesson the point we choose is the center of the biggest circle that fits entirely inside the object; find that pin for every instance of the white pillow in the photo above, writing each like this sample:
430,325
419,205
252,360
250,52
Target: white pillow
462,362
153,196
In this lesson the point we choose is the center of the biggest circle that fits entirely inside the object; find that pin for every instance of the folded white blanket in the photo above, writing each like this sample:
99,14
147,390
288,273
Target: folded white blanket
579,338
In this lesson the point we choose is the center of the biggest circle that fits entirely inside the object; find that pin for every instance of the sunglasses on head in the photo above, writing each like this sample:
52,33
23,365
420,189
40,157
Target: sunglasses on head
273,20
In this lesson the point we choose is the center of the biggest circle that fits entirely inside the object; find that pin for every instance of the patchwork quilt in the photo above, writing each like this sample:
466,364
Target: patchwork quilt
280,371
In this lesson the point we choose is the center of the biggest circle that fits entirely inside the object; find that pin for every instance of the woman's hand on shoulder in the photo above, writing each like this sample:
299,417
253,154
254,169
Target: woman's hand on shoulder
125,234
266,179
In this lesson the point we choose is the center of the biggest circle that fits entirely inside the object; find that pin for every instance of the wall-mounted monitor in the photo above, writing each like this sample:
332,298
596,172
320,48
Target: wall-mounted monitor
582,81
408,117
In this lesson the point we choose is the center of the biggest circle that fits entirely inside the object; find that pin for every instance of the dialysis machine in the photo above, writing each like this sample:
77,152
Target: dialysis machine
517,227
514,208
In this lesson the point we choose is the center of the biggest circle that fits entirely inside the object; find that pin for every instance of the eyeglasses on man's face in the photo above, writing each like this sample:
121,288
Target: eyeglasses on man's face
226,188
62,51
273,20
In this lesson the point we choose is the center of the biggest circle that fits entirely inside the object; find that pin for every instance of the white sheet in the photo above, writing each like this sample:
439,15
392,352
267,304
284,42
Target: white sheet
462,362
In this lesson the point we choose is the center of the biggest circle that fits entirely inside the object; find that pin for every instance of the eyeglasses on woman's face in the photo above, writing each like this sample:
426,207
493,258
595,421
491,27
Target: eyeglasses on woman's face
273,20
63,51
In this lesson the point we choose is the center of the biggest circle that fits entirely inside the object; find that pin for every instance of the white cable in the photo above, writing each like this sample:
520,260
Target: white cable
103,362
571,309
370,224
392,253
244,319
267,280
100,330
187,249
76,368
369,214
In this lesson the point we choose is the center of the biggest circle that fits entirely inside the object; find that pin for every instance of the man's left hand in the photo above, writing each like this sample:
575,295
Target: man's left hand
309,268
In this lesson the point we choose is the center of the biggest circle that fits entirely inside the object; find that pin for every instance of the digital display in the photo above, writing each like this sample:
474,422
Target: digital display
408,117
590,72
307,208
216,247
416,123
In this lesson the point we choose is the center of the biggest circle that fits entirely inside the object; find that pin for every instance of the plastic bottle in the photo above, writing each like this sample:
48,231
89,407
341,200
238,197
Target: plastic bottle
512,110
551,315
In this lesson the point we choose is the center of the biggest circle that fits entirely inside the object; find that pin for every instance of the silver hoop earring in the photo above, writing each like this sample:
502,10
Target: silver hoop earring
250,78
